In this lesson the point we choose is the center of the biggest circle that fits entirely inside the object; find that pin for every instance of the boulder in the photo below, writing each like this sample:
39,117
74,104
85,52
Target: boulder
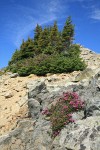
86,74
9,94
35,87
14,75
83,135
91,95
20,138
23,101
34,108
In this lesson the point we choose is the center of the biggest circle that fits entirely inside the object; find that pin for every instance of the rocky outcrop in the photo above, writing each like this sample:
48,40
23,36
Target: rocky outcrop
13,100
20,138
91,58
86,74
83,135
35,132
91,95
14,75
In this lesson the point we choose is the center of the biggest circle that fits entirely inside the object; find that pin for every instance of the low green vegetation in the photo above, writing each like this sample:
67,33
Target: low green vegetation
1,73
50,51
60,114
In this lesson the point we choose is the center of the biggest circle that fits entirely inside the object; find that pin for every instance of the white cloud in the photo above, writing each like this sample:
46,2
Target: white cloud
25,21
95,14
25,30
28,17
93,10
55,6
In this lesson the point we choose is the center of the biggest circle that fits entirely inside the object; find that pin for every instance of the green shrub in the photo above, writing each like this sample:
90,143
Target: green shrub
43,64
24,71
1,73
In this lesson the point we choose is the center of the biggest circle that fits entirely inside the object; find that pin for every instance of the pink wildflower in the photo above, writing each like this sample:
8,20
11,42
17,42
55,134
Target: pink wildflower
56,133
65,107
65,98
69,115
75,95
71,102
45,112
71,120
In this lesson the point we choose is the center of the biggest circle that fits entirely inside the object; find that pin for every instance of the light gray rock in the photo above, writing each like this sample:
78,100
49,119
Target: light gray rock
42,135
9,94
35,87
23,101
14,75
91,58
86,74
83,135
78,115
34,108
20,138
91,95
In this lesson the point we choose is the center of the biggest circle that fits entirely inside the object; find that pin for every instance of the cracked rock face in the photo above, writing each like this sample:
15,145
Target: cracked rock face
83,135
91,58
34,133
91,95
13,101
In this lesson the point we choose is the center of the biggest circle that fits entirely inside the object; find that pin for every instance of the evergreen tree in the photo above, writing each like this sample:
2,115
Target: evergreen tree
59,47
23,44
68,33
15,57
43,41
55,39
27,49
37,33
54,35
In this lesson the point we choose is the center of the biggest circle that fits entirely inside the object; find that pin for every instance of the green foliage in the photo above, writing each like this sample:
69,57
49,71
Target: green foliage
27,49
37,33
43,64
1,73
43,41
24,71
15,57
50,51
68,33
61,113
74,51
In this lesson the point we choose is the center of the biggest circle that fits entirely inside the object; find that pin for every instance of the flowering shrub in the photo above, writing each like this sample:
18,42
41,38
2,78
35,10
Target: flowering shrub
61,113
46,112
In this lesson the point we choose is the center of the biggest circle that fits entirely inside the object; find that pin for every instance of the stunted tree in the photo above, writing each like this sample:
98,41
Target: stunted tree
27,49
54,35
55,38
68,33
15,57
44,39
37,33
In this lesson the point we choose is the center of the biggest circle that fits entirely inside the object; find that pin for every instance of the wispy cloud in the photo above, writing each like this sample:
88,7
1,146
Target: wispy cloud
25,18
23,22
95,14
93,11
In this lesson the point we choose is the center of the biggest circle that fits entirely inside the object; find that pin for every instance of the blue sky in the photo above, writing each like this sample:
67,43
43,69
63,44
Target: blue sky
18,19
